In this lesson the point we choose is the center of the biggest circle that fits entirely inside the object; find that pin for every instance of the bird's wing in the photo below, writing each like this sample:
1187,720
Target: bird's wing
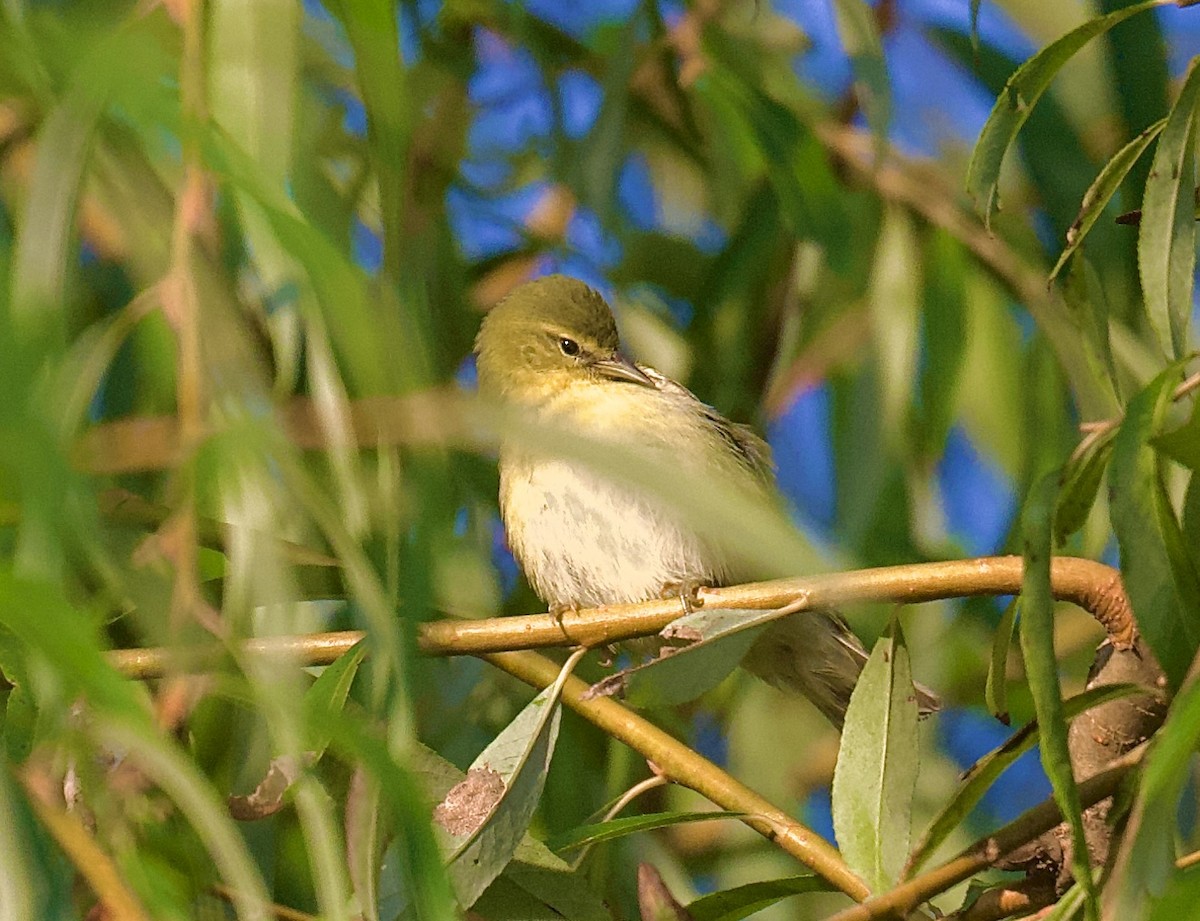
744,444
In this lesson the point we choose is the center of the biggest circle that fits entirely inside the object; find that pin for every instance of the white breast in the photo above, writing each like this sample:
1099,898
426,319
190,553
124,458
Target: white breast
584,540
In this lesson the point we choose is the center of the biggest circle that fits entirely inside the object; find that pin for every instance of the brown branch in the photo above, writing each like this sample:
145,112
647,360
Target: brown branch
682,765
1093,586
984,853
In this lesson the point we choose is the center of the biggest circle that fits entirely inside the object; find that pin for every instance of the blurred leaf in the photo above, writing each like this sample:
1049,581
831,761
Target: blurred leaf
1021,94
1081,483
894,303
327,695
1179,898
1159,577
610,830
1146,859
655,901
427,890
1167,234
496,802
21,883
943,341
995,693
743,901
1037,645
719,638
1101,191
861,42
373,29
877,766
979,778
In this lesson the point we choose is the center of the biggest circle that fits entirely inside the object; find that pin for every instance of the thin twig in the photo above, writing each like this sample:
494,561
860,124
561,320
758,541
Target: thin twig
680,764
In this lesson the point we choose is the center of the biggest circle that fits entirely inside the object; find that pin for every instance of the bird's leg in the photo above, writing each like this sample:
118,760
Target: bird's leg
559,610
688,593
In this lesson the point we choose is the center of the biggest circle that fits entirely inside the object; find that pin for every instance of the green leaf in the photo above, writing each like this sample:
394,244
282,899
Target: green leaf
587,835
1020,95
876,769
486,816
325,699
1146,859
1080,485
1183,444
860,40
943,341
719,638
1167,235
995,691
1159,577
983,773
1037,645
743,901
1101,191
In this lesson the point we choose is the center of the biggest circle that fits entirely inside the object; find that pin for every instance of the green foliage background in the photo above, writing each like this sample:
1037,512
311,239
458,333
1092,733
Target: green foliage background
200,152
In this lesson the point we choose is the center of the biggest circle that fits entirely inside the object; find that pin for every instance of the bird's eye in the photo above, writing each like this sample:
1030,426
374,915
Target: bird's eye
569,346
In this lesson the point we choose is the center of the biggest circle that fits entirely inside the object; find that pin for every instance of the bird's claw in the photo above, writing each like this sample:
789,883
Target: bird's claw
688,593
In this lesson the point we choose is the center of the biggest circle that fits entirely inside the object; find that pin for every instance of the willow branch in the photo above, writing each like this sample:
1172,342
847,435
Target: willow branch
984,853
1093,586
682,765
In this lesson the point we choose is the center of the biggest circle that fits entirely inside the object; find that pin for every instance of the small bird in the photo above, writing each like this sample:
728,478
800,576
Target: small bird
585,540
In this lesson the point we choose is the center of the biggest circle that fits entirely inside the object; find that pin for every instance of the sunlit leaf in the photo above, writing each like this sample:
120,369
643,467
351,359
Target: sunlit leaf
1020,95
487,815
1099,194
877,766
1167,234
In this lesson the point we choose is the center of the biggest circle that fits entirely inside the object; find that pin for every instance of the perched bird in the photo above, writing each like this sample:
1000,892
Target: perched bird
586,540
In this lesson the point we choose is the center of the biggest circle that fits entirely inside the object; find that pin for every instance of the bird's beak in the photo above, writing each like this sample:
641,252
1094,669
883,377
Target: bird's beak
619,368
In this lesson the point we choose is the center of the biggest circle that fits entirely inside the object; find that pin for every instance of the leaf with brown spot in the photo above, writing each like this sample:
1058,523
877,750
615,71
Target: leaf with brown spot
469,803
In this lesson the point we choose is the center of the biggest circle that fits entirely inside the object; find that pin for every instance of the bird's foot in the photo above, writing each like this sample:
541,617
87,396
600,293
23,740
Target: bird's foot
688,593
561,609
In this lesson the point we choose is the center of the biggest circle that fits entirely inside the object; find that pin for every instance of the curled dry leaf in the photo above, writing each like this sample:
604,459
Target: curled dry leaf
470,801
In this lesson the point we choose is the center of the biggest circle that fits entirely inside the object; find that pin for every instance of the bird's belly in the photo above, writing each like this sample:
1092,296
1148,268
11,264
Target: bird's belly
586,541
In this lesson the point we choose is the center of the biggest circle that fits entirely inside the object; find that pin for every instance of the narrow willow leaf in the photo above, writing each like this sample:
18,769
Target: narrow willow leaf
876,769
1079,489
417,860
719,639
1037,645
995,691
1022,92
1167,235
1183,444
743,901
1158,576
327,696
1100,193
17,866
860,39
587,835
488,813
387,96
1147,855
984,772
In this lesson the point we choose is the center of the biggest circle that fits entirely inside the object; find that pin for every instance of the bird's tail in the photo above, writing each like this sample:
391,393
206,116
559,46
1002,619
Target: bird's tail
816,654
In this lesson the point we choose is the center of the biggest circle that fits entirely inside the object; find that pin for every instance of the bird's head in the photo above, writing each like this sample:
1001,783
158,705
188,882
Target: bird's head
548,334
